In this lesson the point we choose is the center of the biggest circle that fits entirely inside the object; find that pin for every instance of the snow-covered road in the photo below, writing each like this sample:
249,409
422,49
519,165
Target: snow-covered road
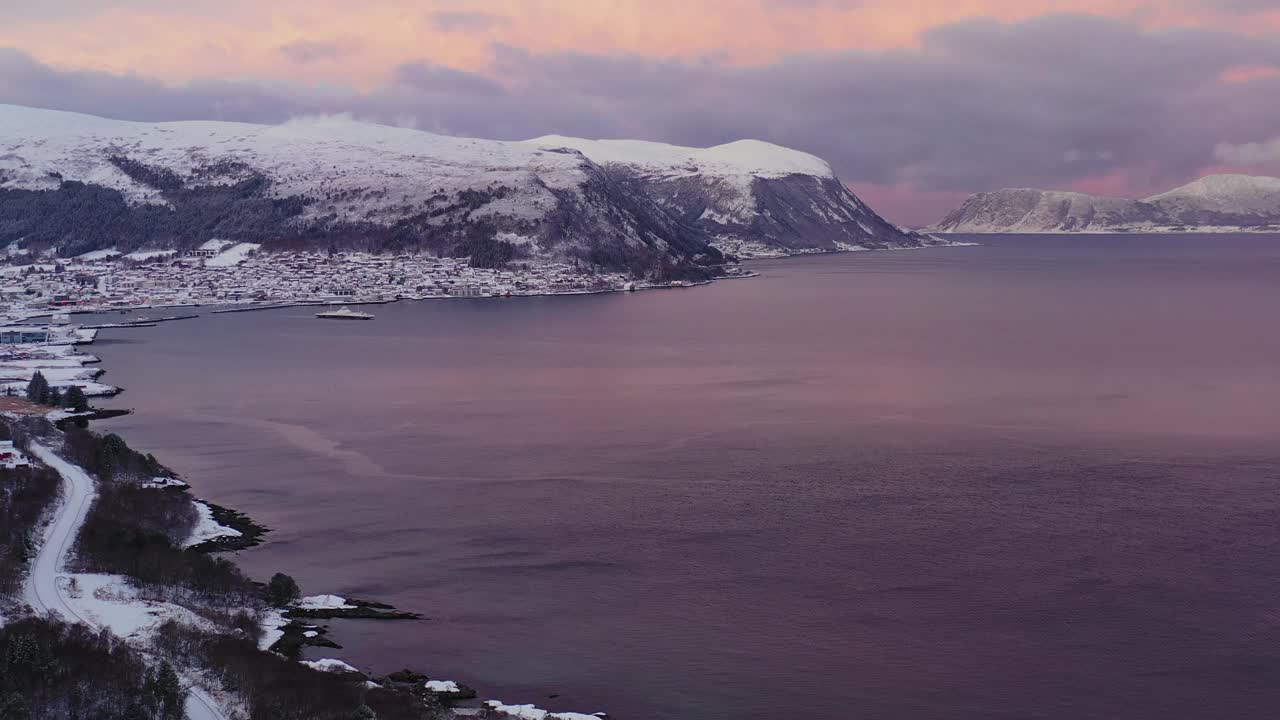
42,585
43,591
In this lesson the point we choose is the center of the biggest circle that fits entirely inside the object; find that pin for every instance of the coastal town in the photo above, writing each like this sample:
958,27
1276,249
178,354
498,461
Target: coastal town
49,304
223,273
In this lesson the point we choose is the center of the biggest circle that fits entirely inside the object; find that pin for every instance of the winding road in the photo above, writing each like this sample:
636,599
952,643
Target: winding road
42,591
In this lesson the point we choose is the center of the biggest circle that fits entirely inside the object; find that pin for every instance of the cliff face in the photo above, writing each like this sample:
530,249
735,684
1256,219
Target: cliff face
750,198
1216,202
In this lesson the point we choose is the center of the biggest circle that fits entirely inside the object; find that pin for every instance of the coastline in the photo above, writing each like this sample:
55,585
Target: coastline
249,534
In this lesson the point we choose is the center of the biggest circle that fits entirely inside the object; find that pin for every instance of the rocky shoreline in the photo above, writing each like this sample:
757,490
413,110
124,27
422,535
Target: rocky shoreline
299,624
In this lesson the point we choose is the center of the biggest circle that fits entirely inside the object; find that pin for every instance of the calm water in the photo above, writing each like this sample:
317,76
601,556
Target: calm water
1034,479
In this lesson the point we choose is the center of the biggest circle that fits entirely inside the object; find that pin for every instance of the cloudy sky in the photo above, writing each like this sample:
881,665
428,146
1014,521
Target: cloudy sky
915,102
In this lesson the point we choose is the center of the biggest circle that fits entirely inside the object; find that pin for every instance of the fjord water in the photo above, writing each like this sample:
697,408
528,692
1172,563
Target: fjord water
1038,478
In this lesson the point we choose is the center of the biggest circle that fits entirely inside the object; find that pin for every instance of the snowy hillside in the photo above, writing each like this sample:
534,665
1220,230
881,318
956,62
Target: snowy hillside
1228,199
79,183
1026,210
1215,202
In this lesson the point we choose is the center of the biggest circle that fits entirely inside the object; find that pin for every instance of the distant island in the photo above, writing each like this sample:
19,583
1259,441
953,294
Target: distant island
1215,203
73,184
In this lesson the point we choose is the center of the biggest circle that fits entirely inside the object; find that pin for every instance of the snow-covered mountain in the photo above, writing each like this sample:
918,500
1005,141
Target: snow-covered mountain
1224,200
1215,202
751,198
79,183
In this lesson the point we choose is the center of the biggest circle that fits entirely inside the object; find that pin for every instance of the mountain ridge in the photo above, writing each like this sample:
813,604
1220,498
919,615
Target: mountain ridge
1224,202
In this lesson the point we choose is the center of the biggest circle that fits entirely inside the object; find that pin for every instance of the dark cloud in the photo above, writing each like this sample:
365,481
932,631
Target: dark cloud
464,21
25,81
440,80
979,105
305,52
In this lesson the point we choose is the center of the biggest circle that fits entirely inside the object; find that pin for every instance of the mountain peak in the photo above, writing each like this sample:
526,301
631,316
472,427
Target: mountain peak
742,157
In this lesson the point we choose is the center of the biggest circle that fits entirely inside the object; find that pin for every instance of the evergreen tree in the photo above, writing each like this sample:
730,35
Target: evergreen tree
282,590
76,400
109,454
53,397
171,695
13,707
38,388
364,712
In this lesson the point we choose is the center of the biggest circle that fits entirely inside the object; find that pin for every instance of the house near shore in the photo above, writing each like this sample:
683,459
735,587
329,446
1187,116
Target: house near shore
11,457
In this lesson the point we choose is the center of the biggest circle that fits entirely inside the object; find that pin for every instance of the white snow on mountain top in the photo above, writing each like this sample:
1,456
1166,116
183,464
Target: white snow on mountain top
743,157
378,169
1059,195
306,152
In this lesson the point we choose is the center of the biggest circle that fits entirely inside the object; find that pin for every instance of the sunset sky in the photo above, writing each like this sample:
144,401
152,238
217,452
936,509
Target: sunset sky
915,102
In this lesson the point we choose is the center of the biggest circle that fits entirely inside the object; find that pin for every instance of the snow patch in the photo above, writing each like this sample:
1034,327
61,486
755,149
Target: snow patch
233,256
329,665
324,602
215,244
273,623
110,601
531,712
207,528
149,254
157,483
442,686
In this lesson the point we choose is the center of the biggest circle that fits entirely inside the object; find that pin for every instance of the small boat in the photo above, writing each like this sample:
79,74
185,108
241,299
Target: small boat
345,313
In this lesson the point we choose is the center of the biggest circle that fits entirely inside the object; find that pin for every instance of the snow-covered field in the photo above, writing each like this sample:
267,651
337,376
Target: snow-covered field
98,255
62,365
233,255
149,254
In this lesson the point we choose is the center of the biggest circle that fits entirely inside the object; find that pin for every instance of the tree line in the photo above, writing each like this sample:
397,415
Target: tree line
274,688
25,495
40,391
51,670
